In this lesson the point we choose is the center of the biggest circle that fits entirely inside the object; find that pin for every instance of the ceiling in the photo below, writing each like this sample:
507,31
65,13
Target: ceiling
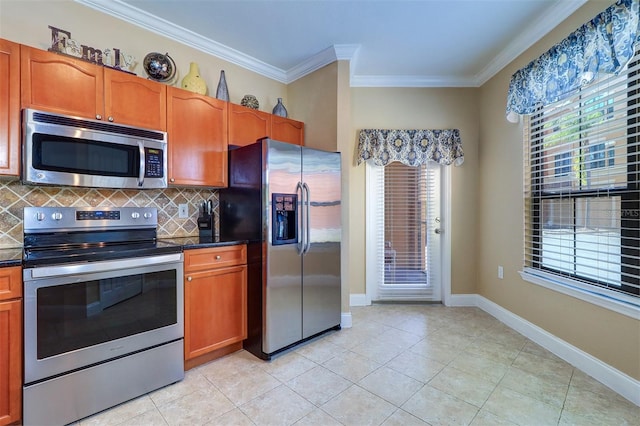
394,43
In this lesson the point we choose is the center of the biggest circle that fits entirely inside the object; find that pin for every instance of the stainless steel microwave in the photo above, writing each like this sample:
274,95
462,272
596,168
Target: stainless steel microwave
64,150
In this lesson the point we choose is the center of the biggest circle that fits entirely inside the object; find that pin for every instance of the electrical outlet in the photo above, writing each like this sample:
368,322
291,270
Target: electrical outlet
500,272
183,211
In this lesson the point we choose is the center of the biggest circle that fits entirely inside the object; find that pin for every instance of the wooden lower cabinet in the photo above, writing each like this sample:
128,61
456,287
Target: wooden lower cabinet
215,314
10,345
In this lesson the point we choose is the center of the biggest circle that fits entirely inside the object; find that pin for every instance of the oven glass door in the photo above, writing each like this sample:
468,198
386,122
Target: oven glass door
76,320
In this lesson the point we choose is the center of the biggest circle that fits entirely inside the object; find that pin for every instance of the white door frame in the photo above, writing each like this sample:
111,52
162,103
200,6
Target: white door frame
372,267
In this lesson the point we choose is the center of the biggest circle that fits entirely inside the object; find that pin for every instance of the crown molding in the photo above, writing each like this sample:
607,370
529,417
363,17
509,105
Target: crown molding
411,81
529,36
337,52
159,26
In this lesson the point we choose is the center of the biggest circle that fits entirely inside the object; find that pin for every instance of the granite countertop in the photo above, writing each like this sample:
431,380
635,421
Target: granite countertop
10,257
194,242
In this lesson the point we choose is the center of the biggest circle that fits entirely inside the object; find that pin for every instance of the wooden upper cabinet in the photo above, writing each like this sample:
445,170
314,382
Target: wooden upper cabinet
56,83
247,125
134,101
9,108
61,84
197,138
287,130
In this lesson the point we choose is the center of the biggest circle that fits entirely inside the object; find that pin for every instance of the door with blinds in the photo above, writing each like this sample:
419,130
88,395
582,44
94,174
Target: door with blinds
405,216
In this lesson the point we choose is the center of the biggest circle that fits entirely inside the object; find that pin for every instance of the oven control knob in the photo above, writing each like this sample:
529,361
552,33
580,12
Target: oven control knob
56,216
40,216
135,215
148,215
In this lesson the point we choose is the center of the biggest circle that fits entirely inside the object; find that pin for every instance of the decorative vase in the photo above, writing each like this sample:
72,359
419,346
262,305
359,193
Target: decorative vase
193,82
222,92
279,109
250,101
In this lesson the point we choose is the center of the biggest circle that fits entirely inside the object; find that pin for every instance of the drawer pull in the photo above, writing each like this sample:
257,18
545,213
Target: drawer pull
189,278
218,257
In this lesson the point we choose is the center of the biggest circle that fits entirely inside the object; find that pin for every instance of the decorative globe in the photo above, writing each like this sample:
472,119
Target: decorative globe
159,67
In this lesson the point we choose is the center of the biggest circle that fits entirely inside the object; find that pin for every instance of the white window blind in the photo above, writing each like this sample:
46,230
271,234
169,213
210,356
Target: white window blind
582,167
406,221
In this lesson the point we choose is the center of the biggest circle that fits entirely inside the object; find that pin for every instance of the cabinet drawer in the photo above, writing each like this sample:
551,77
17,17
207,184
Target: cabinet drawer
10,282
214,257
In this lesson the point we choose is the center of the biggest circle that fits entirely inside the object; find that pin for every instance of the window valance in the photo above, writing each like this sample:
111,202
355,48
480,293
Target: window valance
410,147
603,45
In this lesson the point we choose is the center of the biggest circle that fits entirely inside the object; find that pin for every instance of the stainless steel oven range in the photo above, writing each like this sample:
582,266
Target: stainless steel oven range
103,310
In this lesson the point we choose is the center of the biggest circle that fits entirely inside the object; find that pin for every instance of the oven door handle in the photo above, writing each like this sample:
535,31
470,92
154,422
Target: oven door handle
103,266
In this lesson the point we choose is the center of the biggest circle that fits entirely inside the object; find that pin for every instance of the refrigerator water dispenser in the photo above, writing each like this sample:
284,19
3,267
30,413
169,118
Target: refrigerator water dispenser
285,219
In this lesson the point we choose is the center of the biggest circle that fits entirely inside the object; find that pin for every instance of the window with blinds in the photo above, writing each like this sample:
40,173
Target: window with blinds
582,171
406,220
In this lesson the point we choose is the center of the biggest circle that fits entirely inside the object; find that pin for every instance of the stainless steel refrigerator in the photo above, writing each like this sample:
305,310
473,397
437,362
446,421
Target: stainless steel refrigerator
285,200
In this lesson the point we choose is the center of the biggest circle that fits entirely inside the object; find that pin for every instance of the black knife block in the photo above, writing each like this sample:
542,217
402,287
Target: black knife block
205,226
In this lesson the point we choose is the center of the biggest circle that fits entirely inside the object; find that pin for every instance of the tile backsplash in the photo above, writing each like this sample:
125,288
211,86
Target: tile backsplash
14,196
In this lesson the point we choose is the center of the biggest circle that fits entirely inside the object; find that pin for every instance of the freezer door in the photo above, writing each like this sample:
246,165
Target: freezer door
321,260
283,275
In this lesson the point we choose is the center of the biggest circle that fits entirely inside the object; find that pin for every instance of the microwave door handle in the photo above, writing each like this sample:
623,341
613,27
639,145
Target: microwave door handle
142,164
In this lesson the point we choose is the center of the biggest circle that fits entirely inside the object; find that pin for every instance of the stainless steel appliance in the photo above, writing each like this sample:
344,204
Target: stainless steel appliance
64,150
103,310
285,199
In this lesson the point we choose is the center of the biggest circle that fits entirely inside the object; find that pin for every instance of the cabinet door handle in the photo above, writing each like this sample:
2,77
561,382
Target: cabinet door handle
110,119
218,257
98,117
172,180
189,278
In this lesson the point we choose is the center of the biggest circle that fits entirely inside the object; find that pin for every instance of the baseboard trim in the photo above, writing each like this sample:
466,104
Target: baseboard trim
620,382
346,320
462,300
358,300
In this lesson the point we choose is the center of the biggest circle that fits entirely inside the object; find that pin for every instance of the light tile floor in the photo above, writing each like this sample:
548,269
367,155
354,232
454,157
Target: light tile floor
398,365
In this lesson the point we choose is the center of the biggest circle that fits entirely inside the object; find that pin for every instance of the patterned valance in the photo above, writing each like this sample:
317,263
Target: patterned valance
410,147
603,45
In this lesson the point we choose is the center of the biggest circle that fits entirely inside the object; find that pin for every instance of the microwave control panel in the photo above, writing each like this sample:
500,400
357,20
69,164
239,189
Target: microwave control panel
154,165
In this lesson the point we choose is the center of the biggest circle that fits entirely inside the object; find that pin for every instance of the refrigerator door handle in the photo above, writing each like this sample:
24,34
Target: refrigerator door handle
307,225
301,235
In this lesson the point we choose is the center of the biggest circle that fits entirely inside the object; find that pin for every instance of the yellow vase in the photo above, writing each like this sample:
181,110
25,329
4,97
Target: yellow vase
193,82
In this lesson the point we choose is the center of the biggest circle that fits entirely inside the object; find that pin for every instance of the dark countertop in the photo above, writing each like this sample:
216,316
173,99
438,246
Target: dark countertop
10,257
195,242
13,256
